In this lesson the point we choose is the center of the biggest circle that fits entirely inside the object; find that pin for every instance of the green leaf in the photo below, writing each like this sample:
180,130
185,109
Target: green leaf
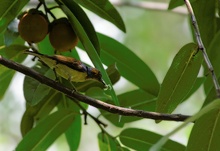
11,52
39,111
6,76
129,65
136,99
199,81
211,106
9,10
211,96
112,72
50,101
214,56
46,131
140,140
106,143
180,78
205,133
98,93
205,13
175,3
84,21
15,52
73,133
104,9
34,91
90,50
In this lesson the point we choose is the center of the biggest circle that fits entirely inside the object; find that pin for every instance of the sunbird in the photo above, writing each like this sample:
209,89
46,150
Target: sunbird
69,68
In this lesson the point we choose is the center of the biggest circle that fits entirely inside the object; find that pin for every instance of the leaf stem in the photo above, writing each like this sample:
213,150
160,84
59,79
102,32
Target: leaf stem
202,47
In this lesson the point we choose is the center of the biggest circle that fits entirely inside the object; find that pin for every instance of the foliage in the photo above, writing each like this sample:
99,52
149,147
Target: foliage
50,113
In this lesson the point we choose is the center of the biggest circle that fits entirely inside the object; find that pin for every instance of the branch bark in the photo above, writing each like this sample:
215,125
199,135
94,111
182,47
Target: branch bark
96,103
202,47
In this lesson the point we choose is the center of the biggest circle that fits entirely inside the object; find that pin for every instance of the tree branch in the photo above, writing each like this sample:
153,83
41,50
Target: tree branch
202,47
96,103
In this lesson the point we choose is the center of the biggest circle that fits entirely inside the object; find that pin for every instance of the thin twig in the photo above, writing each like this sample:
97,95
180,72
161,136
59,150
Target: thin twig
202,47
90,115
96,103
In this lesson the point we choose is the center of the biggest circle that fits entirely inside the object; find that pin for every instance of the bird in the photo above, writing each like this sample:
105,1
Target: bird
69,68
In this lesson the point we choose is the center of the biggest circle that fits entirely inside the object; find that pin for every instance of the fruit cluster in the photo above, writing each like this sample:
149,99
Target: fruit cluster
34,27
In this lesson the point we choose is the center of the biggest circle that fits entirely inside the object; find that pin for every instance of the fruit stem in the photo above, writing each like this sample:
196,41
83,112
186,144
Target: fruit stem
47,10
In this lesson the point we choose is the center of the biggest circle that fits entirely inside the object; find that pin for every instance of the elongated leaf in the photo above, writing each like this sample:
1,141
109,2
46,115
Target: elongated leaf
104,9
206,18
199,81
6,76
214,56
129,65
179,79
9,10
175,3
106,142
46,131
205,133
12,52
90,50
34,91
136,99
50,101
81,16
73,133
139,139
211,106
39,111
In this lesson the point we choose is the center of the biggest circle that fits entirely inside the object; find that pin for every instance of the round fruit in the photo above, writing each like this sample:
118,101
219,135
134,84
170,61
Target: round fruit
33,26
62,36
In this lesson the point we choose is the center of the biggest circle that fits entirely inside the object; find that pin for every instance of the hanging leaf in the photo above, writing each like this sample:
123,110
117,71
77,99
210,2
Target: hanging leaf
180,78
139,139
106,142
104,9
46,131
